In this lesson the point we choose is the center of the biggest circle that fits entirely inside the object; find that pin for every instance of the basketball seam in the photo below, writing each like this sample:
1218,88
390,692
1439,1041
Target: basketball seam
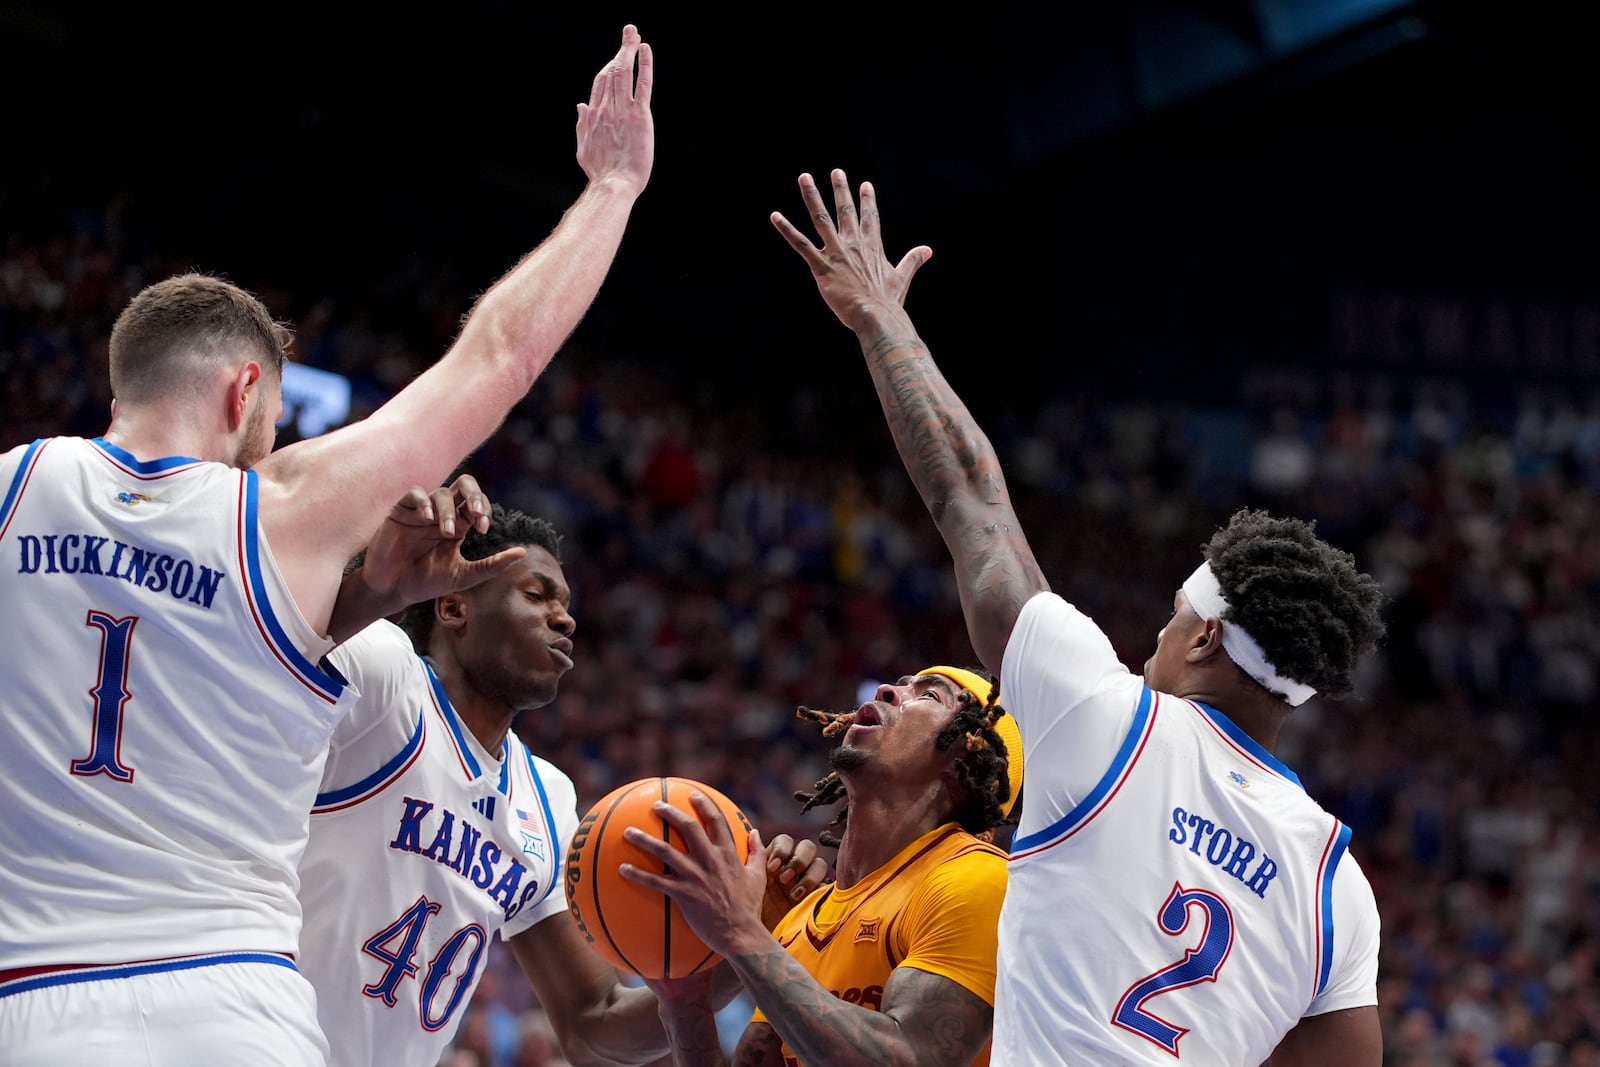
709,954
599,910
665,787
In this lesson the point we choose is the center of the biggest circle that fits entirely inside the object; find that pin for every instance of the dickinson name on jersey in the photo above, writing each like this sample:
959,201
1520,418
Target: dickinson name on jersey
82,554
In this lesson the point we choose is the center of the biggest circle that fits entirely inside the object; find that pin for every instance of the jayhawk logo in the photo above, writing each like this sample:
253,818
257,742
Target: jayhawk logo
1238,779
131,499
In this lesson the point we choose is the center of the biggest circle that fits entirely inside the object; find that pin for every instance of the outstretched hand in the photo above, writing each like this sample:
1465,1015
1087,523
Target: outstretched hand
416,553
852,271
719,895
616,132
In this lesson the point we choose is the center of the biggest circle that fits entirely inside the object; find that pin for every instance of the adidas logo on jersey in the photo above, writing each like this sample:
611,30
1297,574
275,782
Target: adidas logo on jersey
484,806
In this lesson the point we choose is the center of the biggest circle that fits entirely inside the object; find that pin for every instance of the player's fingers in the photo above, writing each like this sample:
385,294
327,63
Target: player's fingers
602,77
912,262
472,501
619,74
816,874
688,826
798,241
844,205
655,848
869,212
414,508
712,820
444,506
648,879
645,80
797,861
478,571
779,849
818,211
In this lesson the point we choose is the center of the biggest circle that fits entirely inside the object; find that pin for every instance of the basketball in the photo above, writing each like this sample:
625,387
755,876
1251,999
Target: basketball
634,928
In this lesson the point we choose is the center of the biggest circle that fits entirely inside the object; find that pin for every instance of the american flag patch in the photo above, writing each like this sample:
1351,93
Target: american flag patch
533,843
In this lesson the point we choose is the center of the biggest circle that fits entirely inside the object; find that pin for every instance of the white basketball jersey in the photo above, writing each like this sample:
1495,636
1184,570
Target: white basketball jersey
1174,896
163,719
423,845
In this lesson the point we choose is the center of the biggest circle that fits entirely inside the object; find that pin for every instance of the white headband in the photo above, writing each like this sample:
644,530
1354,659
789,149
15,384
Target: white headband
1204,594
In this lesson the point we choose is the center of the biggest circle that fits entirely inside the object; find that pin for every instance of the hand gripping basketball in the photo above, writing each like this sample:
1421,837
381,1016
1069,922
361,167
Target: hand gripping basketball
633,927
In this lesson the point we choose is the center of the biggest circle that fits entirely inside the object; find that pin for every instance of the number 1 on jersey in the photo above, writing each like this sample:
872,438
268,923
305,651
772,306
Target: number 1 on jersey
110,693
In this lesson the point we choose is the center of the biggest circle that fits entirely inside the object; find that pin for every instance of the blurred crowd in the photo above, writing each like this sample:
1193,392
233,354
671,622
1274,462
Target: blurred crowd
729,565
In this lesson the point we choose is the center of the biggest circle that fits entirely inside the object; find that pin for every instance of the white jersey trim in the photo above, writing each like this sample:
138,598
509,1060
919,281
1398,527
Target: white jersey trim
1121,766
550,824
19,484
1244,744
70,975
323,680
1338,844
458,736
378,780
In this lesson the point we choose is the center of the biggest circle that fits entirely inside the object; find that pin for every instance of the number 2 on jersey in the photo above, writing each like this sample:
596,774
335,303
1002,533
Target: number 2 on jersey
110,693
1199,964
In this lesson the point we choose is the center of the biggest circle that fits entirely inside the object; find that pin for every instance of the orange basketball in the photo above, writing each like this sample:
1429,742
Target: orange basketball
635,928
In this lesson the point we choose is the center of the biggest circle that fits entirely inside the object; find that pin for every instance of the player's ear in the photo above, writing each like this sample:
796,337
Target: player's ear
1205,642
450,610
242,384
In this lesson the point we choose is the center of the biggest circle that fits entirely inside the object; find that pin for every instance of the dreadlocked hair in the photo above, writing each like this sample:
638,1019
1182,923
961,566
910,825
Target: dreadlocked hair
1304,601
507,528
981,766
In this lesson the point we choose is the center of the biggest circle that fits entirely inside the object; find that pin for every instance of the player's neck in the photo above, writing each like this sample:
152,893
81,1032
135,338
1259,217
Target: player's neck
1252,710
157,432
488,719
879,828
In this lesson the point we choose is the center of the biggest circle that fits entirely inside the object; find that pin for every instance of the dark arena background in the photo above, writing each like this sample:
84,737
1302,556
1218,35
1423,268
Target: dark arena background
1336,258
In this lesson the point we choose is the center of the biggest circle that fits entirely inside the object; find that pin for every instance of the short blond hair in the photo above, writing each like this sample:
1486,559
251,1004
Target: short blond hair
173,328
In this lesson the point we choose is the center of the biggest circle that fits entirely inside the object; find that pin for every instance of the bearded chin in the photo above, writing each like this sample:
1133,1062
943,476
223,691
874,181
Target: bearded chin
258,438
846,758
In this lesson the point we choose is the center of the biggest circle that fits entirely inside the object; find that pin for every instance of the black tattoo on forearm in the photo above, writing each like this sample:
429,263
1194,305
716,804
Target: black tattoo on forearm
956,471
695,1041
926,1019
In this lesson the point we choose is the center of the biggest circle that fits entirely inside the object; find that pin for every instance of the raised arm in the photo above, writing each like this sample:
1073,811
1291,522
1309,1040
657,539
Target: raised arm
948,457
322,498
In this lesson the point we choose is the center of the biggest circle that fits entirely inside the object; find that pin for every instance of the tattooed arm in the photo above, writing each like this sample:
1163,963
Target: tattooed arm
949,458
759,1046
922,1018
925,1019
689,1014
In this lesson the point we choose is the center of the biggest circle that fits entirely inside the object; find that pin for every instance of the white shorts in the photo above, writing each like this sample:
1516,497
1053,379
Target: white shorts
232,1008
